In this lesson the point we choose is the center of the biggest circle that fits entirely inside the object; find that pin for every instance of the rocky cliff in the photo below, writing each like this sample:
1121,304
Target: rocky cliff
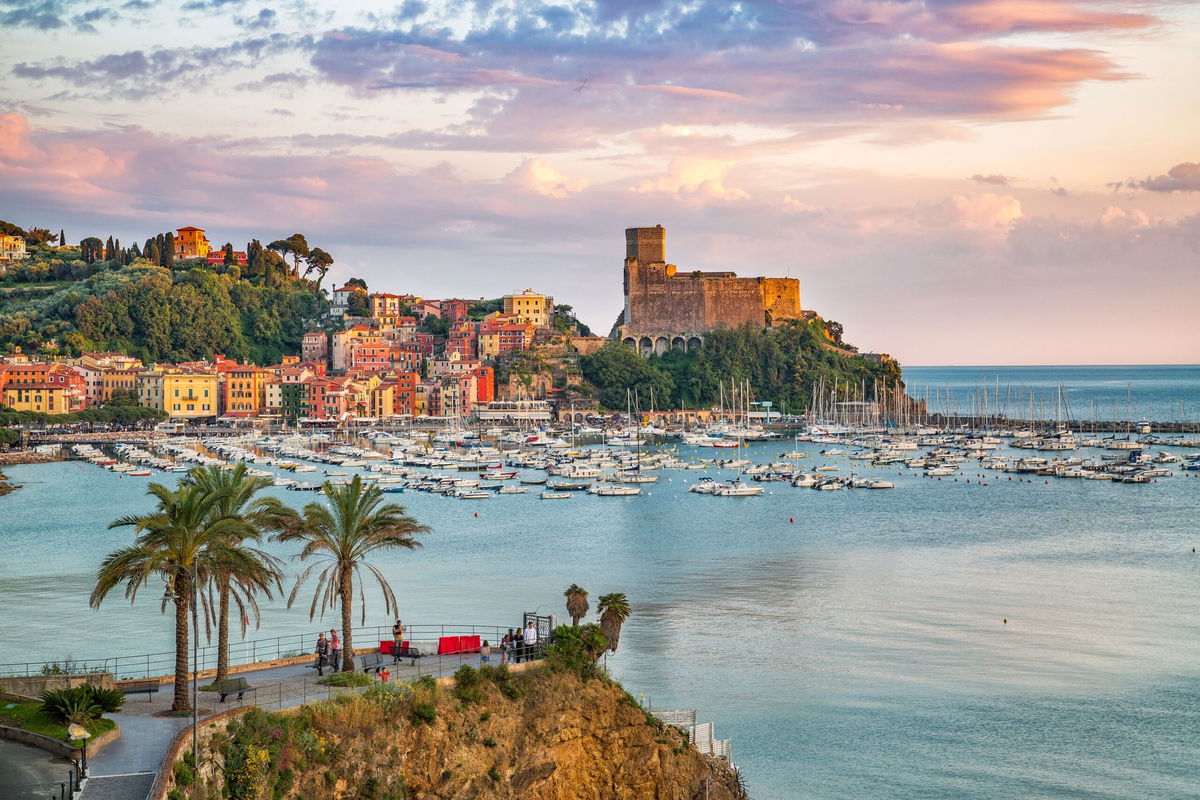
537,735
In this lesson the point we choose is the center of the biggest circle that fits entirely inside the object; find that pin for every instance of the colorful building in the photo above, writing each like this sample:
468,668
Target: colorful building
191,243
46,388
244,389
12,248
529,306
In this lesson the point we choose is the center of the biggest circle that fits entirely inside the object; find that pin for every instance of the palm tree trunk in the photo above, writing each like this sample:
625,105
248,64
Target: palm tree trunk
223,633
347,593
182,598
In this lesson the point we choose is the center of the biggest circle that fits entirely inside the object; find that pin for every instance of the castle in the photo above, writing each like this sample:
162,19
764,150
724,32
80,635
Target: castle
668,309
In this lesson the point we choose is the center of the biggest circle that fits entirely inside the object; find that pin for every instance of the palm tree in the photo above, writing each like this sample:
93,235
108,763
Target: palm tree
179,541
247,571
341,537
577,603
614,610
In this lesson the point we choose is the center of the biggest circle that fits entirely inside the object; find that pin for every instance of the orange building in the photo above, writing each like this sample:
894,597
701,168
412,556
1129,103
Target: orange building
244,393
48,388
191,243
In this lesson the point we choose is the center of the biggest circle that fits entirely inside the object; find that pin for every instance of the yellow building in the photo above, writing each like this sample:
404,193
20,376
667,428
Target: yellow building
182,393
46,388
530,306
12,248
114,380
191,243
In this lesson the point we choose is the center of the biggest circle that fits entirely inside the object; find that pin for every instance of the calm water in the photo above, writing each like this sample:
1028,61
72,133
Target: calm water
857,652
1161,393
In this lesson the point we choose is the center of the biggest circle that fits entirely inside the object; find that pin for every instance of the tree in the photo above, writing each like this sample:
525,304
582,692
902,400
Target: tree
615,369
244,571
91,250
577,603
359,305
38,236
229,259
340,537
359,282
168,250
295,246
180,542
614,610
320,261
62,237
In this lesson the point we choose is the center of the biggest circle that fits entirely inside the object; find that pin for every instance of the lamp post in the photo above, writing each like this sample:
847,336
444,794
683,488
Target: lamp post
170,595
77,731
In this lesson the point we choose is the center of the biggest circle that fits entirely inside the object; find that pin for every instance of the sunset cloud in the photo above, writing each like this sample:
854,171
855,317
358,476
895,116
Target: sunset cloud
1183,177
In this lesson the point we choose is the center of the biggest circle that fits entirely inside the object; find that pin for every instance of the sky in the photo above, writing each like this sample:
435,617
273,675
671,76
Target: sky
956,181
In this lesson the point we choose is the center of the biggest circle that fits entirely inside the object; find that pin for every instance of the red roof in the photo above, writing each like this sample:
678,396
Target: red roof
177,230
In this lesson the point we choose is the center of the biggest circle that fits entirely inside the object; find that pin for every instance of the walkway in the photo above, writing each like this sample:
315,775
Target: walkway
145,737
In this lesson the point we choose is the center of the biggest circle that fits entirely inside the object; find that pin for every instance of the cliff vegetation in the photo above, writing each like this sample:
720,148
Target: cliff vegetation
541,734
782,365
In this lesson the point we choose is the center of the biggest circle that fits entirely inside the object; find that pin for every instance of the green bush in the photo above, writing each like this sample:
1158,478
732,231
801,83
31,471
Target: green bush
346,679
576,649
503,679
423,714
74,705
468,685
184,776
175,794
488,741
493,774
424,682
110,701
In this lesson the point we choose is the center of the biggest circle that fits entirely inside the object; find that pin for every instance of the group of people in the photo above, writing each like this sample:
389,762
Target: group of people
519,645
516,646
329,650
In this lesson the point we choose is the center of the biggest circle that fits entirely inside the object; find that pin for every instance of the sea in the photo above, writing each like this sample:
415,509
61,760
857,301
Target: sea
968,637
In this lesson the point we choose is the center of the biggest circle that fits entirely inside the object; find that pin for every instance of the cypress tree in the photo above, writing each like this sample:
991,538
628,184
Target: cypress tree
169,250
118,253
62,237
110,252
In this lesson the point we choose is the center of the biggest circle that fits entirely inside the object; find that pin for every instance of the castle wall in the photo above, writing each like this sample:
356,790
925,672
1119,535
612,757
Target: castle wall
730,302
781,297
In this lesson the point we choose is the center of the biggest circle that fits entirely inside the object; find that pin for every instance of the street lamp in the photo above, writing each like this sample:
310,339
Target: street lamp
170,595
77,731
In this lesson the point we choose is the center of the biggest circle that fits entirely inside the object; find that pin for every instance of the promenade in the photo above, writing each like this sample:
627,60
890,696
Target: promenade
125,769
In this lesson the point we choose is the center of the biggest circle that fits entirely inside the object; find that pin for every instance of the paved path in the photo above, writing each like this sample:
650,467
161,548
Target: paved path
145,737
29,773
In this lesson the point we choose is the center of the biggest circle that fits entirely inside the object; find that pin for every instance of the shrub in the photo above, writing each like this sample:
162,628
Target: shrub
503,679
577,649
183,774
109,701
70,705
423,714
493,774
346,679
489,742
467,685
389,695
485,716
175,794
424,682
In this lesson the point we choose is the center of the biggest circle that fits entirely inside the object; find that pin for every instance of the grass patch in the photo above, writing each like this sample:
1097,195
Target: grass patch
28,716
346,679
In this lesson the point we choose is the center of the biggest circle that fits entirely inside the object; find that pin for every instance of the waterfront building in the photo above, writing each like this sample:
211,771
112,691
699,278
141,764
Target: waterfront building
515,411
118,379
47,388
186,391
244,389
668,308
12,248
529,306
191,243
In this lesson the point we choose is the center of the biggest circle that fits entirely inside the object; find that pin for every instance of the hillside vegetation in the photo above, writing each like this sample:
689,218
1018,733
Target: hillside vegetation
157,313
782,364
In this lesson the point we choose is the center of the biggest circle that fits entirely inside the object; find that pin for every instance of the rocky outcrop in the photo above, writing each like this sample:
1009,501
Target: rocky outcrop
537,735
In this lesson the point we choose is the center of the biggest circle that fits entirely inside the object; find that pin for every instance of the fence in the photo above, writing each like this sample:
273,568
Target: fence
149,665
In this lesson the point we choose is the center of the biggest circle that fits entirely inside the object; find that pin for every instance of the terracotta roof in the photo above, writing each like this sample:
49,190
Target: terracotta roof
189,228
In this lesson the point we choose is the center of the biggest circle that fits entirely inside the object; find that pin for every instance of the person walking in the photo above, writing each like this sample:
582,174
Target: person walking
485,653
397,640
322,653
505,644
335,648
531,641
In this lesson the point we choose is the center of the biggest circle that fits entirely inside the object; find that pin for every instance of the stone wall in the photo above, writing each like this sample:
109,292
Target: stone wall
34,685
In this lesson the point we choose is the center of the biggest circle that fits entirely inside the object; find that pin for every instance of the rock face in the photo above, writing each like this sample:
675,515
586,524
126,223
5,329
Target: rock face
561,738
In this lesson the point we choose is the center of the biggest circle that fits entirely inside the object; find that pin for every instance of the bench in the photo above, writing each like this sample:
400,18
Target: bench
231,685
321,665
374,662
136,687
407,651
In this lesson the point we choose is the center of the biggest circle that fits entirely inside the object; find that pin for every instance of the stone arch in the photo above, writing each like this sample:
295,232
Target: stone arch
579,416
694,343
678,343
646,346
661,345
629,340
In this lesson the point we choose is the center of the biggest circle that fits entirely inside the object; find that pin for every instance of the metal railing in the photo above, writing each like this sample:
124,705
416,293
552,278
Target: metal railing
149,665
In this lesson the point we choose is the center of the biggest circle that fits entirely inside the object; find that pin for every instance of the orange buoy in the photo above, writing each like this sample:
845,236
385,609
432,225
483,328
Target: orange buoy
477,513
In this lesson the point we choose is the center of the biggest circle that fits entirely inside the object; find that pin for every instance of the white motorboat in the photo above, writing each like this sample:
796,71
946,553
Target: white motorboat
737,489
610,490
555,496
